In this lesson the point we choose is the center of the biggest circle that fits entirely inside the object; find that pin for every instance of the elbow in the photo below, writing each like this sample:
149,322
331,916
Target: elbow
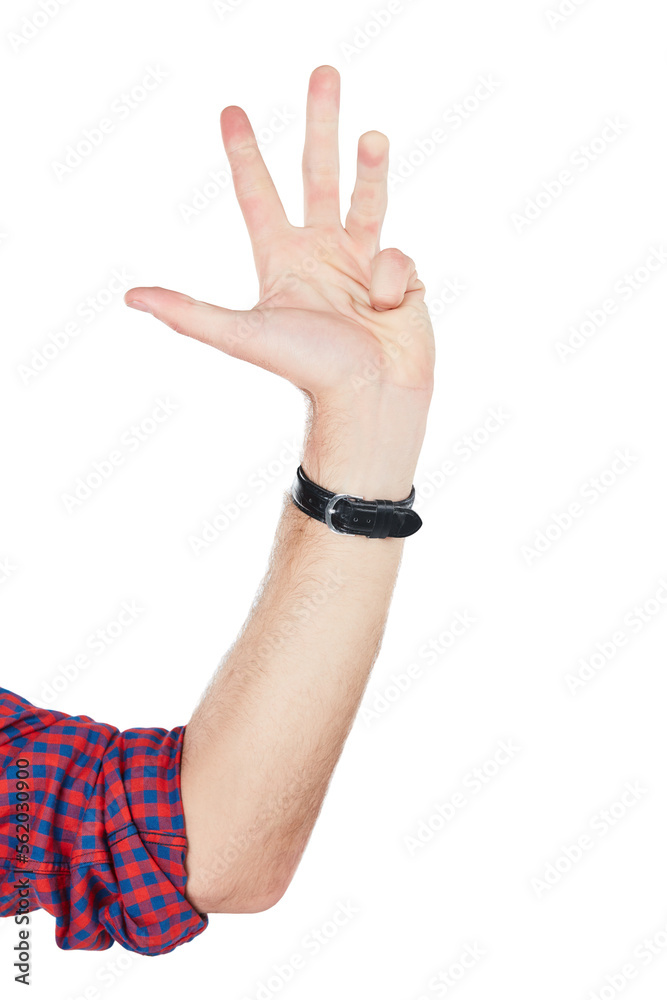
246,896
252,902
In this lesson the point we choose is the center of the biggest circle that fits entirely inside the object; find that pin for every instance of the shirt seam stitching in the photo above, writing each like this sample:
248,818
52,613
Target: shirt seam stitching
97,854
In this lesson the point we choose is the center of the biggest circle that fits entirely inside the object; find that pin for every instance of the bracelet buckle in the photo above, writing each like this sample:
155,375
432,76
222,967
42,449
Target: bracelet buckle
328,510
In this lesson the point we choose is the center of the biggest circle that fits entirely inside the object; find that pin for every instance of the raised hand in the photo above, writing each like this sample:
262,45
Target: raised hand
335,314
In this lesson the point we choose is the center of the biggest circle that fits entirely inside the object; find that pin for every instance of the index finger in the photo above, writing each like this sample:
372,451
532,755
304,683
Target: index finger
256,193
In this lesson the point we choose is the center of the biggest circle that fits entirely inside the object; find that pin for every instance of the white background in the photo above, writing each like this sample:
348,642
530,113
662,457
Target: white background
522,288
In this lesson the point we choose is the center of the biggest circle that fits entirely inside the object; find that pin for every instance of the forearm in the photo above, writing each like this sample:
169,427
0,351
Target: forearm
262,744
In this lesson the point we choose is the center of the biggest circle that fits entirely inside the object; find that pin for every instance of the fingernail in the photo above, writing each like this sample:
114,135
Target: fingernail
135,304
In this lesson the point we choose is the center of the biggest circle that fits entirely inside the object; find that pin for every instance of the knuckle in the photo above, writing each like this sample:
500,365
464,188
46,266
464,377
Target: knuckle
392,254
397,258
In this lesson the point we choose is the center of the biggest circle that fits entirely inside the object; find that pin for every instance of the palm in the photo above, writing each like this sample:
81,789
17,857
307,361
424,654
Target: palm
317,312
334,313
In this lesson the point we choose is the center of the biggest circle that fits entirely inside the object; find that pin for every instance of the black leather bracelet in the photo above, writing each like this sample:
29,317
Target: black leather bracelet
347,514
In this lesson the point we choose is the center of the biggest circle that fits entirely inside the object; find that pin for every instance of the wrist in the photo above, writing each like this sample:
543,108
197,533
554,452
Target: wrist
370,449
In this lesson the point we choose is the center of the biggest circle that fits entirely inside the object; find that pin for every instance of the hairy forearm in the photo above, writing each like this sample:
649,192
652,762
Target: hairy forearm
262,744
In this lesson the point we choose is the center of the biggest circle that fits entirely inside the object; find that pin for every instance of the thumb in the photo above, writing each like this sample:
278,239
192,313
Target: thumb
230,330
392,275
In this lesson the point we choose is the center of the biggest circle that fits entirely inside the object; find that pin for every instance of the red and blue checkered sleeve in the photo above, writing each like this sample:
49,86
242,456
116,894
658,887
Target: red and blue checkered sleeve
105,832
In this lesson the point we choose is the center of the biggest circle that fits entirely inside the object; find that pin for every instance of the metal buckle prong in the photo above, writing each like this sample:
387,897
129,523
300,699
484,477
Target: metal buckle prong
328,510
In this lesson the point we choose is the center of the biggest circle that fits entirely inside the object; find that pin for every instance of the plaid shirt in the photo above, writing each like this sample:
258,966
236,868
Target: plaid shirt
106,831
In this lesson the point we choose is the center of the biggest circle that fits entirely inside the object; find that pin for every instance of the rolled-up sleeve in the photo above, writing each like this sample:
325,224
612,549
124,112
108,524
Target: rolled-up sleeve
106,829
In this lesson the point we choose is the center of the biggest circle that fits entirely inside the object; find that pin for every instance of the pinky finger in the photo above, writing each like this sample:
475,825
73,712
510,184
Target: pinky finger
393,274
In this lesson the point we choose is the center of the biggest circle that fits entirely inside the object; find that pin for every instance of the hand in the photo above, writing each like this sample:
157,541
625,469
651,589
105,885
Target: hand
335,315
